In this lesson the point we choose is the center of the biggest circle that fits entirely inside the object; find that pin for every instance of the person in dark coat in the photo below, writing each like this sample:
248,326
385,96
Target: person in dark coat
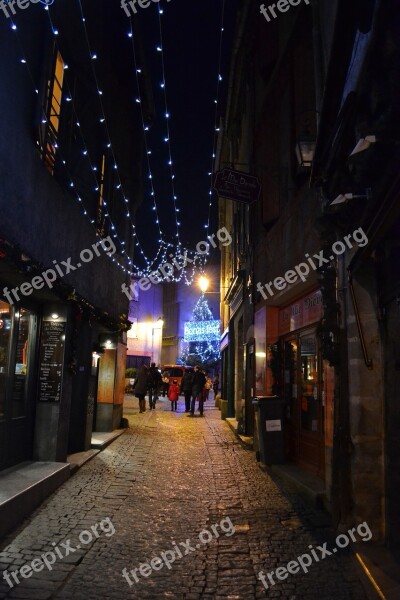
186,387
199,381
155,381
165,382
141,386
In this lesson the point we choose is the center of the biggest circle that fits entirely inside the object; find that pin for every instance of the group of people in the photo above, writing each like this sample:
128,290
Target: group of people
195,386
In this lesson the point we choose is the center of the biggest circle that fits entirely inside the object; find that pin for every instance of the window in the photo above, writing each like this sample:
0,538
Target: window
22,362
49,130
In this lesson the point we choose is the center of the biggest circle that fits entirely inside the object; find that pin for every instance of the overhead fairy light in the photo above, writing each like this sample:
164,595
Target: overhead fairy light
164,247
85,152
45,120
168,133
183,274
149,263
216,124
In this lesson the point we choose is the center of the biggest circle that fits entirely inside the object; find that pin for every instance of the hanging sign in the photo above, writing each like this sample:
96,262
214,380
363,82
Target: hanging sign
237,186
201,331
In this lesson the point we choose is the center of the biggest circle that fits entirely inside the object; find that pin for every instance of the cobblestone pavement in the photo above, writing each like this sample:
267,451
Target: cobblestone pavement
161,483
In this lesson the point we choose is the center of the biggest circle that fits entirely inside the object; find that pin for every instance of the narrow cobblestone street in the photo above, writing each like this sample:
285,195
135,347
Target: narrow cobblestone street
161,483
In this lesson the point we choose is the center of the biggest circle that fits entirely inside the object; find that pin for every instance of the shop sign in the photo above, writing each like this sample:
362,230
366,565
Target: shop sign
224,340
274,425
303,312
169,341
237,186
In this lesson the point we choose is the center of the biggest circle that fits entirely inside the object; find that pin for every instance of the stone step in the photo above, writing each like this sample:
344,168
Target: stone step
24,486
102,439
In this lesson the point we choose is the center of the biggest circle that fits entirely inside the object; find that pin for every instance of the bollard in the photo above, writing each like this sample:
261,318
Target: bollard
224,409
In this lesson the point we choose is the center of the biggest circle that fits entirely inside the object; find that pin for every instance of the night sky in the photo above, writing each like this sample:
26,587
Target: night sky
191,38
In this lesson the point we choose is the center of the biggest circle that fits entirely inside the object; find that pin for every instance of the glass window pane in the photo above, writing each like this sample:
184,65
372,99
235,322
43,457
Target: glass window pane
309,381
5,329
21,364
290,375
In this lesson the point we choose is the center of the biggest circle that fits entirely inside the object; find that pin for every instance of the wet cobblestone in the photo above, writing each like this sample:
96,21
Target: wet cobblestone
164,481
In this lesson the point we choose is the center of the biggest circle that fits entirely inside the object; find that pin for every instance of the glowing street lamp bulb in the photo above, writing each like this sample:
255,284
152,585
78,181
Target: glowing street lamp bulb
203,283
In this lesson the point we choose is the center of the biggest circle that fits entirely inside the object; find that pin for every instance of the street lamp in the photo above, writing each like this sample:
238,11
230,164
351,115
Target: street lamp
204,283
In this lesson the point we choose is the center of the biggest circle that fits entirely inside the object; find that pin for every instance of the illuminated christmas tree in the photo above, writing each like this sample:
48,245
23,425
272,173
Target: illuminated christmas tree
202,337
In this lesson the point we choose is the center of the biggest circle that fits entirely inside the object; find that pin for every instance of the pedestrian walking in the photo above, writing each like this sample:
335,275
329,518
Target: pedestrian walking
173,395
216,384
207,387
199,382
154,384
186,387
165,382
140,387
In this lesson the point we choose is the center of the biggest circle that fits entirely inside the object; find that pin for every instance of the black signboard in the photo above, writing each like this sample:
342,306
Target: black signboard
237,186
51,361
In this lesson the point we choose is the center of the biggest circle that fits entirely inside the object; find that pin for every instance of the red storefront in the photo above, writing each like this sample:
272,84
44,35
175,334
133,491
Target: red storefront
294,365
307,384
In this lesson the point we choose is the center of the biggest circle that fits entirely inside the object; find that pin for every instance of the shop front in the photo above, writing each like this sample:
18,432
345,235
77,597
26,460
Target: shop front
289,365
17,357
307,384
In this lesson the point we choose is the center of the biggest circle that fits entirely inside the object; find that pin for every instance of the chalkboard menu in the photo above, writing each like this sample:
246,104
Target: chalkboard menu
51,360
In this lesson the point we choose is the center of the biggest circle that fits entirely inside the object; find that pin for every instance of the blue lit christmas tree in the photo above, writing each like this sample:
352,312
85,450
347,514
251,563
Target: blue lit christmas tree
202,337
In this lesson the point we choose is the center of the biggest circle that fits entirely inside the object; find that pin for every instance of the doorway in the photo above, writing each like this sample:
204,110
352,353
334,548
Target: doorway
18,334
304,416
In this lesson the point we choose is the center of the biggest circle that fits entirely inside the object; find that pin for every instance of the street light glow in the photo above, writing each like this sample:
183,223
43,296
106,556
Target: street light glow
204,283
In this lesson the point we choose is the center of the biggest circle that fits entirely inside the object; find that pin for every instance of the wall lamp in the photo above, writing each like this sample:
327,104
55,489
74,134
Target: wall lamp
305,150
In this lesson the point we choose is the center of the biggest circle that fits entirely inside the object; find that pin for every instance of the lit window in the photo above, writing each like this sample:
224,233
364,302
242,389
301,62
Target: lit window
51,124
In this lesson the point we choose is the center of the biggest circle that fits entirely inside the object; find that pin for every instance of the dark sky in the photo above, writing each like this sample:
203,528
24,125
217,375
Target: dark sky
191,38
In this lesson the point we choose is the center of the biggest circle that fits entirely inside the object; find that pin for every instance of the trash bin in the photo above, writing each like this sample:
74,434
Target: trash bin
269,444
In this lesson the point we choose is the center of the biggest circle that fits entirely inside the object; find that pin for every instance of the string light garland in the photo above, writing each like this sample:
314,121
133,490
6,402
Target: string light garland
45,121
93,56
216,124
168,137
150,265
166,250
179,250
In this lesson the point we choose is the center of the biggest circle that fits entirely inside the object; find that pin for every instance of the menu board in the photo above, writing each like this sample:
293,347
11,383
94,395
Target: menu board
51,361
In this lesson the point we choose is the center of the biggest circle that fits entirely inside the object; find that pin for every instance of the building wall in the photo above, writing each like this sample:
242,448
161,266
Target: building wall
145,336
359,100
43,222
